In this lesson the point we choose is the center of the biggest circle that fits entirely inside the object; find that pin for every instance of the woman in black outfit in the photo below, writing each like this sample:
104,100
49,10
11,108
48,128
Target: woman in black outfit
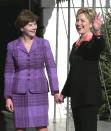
83,82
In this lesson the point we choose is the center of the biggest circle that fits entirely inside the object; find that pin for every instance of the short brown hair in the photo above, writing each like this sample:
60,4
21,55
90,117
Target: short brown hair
89,13
24,17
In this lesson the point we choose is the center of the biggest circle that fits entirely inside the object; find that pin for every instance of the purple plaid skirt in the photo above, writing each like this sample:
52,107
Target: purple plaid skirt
30,110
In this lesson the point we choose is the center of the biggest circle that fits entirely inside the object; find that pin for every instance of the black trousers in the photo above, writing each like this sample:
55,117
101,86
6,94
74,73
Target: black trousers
85,118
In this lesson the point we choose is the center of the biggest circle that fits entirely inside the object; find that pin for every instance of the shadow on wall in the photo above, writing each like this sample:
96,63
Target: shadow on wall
47,7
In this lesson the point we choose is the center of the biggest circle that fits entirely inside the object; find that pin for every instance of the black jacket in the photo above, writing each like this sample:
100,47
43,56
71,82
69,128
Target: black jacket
83,83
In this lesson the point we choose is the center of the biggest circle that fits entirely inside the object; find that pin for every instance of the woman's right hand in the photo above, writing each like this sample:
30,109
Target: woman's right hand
97,22
9,105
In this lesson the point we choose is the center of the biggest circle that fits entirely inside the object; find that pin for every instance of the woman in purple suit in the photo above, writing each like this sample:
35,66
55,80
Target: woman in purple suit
26,86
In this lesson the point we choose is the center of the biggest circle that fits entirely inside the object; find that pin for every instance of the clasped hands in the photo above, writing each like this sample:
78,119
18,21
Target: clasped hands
59,98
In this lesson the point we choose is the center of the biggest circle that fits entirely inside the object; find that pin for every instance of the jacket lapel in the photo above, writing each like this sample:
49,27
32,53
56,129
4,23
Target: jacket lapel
21,46
34,45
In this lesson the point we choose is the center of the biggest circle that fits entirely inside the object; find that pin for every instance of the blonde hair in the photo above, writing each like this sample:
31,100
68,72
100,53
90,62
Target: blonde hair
89,13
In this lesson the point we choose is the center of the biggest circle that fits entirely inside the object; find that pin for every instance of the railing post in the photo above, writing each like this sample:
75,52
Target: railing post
68,50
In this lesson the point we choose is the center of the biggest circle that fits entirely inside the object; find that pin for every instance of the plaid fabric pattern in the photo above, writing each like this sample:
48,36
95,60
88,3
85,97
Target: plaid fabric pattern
26,83
24,70
30,110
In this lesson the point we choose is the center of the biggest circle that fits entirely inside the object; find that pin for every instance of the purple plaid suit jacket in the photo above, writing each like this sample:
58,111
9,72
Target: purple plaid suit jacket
24,71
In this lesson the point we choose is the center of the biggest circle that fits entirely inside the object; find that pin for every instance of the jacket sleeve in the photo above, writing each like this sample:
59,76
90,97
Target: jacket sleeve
66,89
9,72
92,49
51,68
98,45
99,42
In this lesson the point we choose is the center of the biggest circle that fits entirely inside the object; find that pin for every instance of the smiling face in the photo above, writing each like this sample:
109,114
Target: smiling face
83,24
29,30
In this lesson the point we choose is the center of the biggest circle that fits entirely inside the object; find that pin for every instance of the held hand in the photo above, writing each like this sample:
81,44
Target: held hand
61,97
9,104
97,22
56,98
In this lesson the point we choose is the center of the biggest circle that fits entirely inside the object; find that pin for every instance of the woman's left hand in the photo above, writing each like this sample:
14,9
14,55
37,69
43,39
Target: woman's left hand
97,23
57,97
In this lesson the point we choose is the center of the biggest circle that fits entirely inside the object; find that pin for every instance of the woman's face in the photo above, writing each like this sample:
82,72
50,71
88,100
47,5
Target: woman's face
29,29
83,24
